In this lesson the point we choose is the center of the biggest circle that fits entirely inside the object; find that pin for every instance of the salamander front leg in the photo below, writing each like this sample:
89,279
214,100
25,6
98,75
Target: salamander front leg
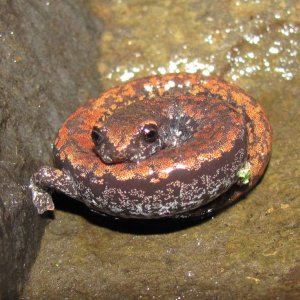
47,180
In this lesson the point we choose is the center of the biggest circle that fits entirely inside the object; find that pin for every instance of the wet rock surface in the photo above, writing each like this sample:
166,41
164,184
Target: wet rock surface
45,73
249,251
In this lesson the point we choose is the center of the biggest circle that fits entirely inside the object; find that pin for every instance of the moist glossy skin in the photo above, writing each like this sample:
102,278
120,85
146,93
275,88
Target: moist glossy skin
162,146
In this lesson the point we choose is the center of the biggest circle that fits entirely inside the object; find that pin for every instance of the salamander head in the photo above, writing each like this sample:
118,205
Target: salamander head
126,142
130,134
137,131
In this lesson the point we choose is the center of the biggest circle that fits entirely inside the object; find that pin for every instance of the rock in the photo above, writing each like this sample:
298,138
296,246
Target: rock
249,251
45,73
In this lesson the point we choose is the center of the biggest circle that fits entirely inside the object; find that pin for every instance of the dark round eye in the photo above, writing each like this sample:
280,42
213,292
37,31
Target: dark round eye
150,133
97,136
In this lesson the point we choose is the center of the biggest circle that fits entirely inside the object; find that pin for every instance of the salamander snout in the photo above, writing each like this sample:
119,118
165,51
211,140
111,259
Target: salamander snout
103,148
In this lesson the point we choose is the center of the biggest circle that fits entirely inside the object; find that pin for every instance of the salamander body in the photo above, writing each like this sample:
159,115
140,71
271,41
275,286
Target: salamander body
177,145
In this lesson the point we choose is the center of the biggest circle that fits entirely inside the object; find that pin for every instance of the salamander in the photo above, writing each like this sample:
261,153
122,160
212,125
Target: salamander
165,146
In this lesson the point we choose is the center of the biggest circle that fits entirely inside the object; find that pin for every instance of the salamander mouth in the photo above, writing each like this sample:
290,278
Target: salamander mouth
107,155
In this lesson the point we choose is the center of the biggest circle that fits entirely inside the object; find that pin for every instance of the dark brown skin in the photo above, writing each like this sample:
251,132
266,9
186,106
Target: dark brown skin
162,146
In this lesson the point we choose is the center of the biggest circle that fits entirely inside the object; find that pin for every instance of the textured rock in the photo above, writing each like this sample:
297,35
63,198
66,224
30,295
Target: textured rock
43,61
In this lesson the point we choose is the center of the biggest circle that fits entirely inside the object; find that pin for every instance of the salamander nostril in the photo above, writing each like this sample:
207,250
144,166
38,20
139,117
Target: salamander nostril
97,136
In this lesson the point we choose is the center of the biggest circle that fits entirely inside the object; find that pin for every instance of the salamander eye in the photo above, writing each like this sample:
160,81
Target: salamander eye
97,136
150,133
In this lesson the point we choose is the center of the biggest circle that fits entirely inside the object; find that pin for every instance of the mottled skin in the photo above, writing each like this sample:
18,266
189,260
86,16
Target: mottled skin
160,146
